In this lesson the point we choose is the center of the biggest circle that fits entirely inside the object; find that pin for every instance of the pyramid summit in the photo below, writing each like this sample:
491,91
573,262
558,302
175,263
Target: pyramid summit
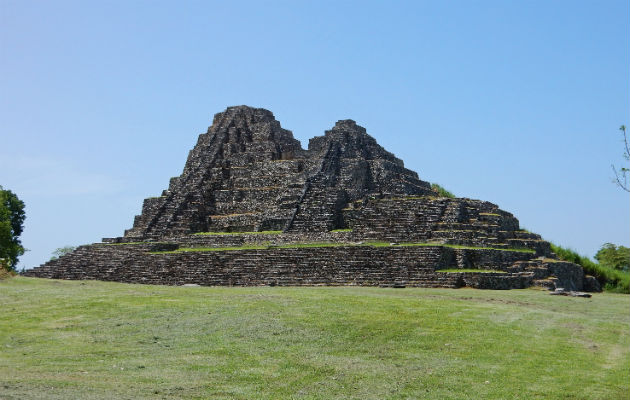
247,174
252,207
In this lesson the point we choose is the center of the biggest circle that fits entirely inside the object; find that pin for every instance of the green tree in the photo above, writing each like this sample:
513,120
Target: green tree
621,174
62,251
11,225
617,257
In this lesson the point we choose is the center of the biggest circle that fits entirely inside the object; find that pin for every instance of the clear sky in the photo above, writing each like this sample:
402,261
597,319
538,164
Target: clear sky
514,102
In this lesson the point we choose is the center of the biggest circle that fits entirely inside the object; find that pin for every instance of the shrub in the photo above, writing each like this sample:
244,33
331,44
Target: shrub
62,251
5,270
617,257
441,191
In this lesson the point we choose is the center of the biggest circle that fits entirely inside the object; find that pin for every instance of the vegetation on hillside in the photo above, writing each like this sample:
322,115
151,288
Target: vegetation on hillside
441,191
93,340
616,257
611,279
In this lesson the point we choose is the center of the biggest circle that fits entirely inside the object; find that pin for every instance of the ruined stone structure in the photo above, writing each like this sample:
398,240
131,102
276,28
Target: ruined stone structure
252,207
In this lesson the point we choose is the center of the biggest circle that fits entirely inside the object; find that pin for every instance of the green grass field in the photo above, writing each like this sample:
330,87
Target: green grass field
97,340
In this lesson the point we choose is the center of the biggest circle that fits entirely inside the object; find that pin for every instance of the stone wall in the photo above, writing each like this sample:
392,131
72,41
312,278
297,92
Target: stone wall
343,265
457,221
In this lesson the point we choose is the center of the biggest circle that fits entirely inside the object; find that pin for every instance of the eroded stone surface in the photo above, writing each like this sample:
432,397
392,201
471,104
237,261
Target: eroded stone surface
248,174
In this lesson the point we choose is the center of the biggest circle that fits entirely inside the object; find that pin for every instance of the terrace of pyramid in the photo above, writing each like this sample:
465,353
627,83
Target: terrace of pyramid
252,207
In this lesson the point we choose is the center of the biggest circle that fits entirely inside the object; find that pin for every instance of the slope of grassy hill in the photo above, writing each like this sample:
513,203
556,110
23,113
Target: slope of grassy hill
612,280
96,340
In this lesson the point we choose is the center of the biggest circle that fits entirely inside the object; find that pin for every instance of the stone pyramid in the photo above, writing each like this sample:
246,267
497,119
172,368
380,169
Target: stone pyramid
252,207
248,174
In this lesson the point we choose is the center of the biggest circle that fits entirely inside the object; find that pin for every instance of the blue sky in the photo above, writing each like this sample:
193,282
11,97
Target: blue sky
518,103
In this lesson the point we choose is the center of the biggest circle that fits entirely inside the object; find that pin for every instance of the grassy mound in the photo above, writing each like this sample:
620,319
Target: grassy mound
73,339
